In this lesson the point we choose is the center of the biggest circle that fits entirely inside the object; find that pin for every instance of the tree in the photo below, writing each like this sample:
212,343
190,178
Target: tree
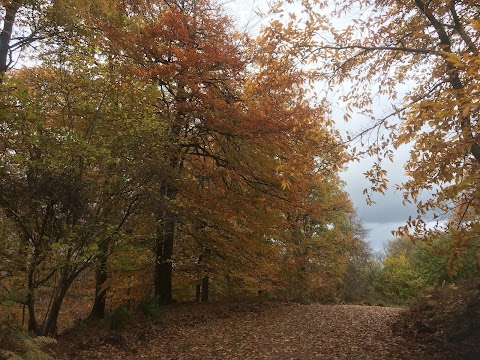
406,269
319,242
27,24
22,23
399,280
430,48
228,131
158,112
172,52
67,184
362,269
442,261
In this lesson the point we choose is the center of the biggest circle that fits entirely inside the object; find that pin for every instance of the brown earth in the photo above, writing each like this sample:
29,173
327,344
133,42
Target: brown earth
253,331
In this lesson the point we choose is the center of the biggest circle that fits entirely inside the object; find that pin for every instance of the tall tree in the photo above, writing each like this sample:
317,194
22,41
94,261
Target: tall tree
6,36
247,134
29,23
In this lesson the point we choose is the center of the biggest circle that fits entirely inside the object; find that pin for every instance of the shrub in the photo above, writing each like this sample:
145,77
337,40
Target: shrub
120,318
18,345
150,308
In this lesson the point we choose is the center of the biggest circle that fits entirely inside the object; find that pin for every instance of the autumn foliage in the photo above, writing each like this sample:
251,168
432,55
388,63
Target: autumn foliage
154,151
150,152
420,58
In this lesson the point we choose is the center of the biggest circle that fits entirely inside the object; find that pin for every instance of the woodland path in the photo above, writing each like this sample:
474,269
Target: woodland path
262,332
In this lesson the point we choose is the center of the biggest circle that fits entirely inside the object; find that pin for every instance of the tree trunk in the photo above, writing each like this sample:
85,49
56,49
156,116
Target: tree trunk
99,303
205,289
198,291
49,327
6,36
163,258
32,320
30,302
166,228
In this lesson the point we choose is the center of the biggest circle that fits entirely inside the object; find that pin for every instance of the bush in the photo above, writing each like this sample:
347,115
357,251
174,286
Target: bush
120,318
15,343
448,316
18,345
150,308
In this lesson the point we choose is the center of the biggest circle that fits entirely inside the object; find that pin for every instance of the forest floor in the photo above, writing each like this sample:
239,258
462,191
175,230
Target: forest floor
252,331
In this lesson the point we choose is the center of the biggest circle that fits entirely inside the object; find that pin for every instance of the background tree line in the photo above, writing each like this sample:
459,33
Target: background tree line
405,271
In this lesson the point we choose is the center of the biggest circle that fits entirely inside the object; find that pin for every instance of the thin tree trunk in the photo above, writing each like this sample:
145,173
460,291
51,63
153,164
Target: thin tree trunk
202,288
205,283
163,258
198,290
99,303
166,228
30,301
49,327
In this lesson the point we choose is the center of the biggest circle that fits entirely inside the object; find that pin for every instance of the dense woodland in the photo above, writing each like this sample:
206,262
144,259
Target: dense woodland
151,152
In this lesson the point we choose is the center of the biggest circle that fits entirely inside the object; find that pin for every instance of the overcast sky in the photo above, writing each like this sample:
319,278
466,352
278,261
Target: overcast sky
388,213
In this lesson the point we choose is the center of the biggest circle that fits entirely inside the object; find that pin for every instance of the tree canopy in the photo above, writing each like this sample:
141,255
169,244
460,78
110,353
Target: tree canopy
153,138
420,57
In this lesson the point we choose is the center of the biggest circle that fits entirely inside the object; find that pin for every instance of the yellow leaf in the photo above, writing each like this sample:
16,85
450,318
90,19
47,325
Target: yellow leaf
286,184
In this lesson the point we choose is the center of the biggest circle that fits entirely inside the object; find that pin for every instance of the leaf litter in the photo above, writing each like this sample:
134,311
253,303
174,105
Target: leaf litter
254,331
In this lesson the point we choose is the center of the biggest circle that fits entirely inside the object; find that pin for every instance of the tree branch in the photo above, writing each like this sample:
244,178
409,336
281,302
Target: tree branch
455,81
460,29
379,48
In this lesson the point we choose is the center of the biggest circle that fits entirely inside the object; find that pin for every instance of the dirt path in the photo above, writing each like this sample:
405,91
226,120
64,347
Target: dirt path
274,332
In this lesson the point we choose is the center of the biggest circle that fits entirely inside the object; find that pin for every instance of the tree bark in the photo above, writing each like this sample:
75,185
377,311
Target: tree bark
476,150
163,257
6,36
205,283
198,291
32,320
99,303
49,327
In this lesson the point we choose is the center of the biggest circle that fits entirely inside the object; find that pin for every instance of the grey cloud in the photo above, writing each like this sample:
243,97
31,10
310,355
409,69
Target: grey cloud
380,233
